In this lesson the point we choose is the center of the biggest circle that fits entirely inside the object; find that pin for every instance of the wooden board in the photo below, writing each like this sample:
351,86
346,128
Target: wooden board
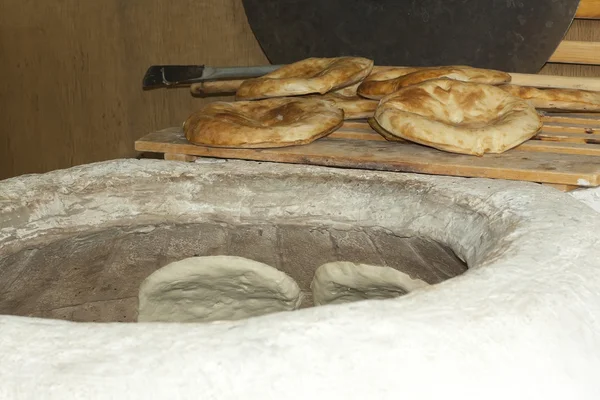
577,52
72,70
588,9
552,158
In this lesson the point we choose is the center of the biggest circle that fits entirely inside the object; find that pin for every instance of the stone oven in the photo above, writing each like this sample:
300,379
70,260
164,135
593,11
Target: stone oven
513,299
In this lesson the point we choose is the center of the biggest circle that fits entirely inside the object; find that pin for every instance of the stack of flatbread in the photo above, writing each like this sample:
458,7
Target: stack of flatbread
296,104
457,109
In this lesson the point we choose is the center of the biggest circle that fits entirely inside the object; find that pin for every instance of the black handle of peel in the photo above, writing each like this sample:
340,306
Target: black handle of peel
176,75
158,76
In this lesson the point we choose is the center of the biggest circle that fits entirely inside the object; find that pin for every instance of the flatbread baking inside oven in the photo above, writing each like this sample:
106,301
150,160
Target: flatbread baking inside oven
215,288
458,117
345,282
557,99
376,88
312,75
262,124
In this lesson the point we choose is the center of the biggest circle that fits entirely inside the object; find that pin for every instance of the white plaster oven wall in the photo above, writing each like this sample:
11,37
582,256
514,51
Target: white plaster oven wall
522,323
591,197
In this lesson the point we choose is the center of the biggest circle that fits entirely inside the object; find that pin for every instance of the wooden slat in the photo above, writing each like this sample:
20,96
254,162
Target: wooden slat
567,137
587,120
516,164
179,157
562,188
584,115
560,148
576,52
588,9
554,81
572,128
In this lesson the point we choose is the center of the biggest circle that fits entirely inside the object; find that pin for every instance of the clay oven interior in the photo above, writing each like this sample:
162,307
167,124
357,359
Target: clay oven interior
294,221
96,276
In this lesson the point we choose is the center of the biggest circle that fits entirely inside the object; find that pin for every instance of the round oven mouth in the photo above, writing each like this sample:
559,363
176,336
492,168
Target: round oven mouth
95,276
95,239
515,261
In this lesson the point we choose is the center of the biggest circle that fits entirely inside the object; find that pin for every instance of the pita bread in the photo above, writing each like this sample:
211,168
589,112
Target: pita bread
386,135
216,288
354,107
348,91
345,282
381,83
556,99
458,117
313,75
377,89
262,124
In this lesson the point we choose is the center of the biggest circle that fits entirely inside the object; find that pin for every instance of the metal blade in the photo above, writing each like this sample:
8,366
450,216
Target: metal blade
177,75
171,75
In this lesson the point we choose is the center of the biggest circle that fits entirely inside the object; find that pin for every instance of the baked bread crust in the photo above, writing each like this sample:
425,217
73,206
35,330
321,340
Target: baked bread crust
348,91
312,75
355,107
377,86
556,99
380,84
385,134
458,117
266,123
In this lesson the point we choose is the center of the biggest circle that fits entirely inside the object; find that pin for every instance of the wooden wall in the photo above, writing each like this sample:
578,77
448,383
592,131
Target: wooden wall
71,70
585,30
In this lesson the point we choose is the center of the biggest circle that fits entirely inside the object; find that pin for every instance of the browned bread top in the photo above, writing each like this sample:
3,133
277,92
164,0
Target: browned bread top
460,117
261,124
312,75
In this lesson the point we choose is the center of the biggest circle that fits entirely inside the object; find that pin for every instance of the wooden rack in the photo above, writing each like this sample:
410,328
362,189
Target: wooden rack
565,154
